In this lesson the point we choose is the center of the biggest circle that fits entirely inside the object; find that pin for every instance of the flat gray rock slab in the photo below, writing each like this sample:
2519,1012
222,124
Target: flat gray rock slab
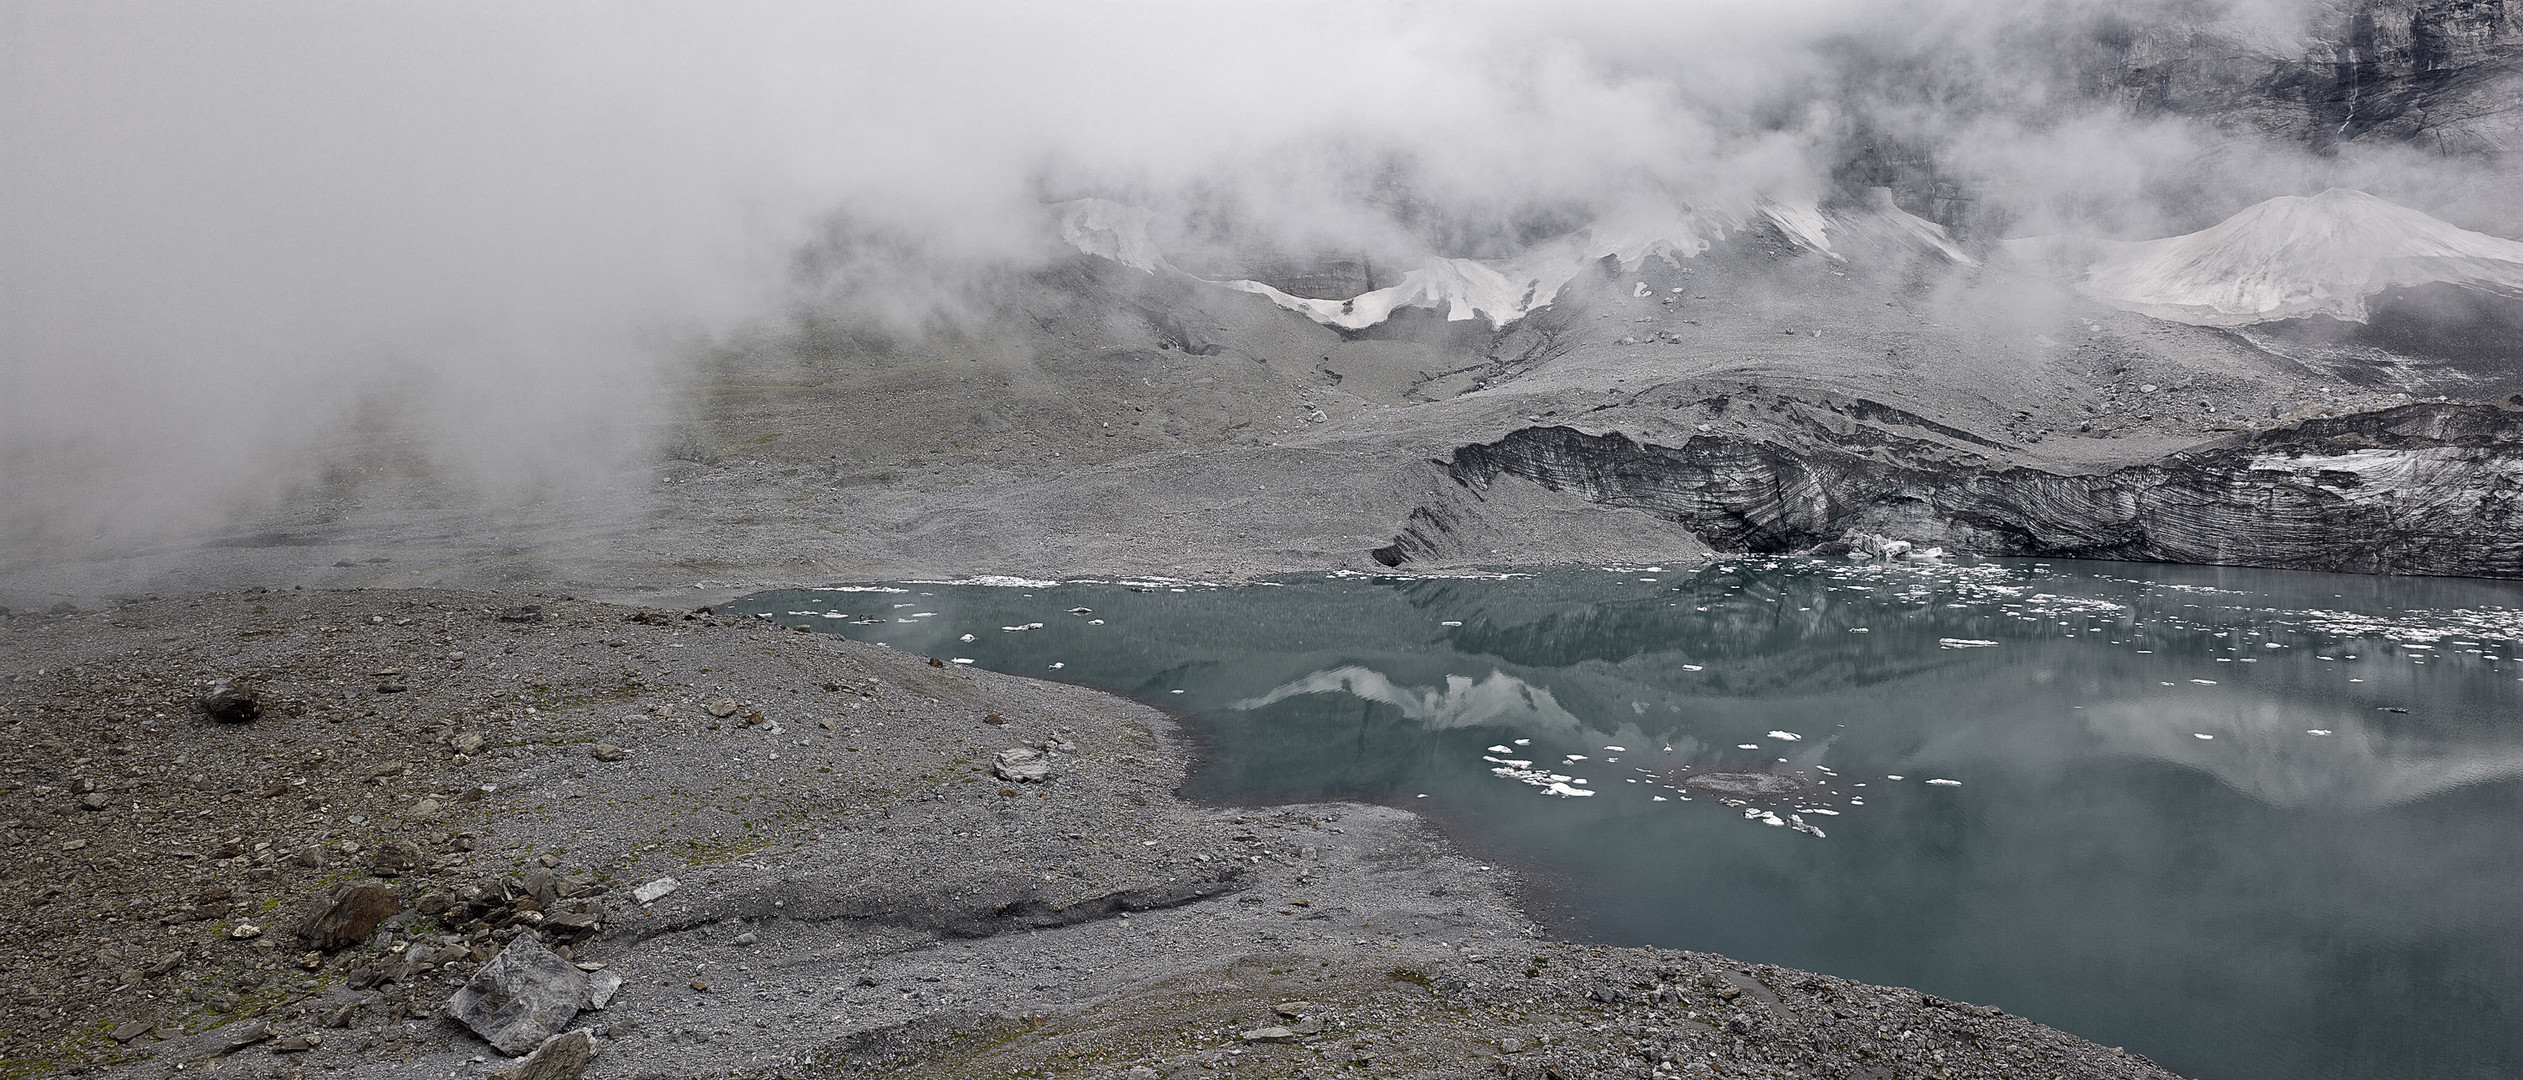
522,997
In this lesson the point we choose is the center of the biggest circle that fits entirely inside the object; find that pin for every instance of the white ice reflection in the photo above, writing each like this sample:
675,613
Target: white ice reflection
1462,702
2264,750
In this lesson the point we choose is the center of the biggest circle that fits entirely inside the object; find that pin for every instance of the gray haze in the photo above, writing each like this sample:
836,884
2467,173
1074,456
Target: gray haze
251,252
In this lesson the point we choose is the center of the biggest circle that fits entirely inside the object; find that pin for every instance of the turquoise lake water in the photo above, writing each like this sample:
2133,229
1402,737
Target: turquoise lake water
2255,825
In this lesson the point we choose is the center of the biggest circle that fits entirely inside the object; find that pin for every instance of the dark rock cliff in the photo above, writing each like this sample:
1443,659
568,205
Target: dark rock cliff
2421,489
2445,74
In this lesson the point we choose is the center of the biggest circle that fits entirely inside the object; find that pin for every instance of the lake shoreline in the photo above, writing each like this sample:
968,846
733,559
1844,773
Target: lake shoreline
905,907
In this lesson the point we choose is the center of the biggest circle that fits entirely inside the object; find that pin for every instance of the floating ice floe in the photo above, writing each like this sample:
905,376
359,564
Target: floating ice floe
1618,749
2204,682
1942,782
1564,791
1786,736
1058,664
1500,750
1964,643
2201,735
1451,622
2317,731
1747,746
967,637
1081,611
1691,667
963,659
1892,777
861,588
1021,629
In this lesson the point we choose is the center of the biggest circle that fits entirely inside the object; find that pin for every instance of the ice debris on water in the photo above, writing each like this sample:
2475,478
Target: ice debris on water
2317,731
1618,749
1786,736
1500,750
1942,782
1964,643
2201,735
966,638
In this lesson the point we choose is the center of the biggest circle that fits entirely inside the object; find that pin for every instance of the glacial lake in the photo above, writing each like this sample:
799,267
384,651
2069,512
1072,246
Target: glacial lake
2255,825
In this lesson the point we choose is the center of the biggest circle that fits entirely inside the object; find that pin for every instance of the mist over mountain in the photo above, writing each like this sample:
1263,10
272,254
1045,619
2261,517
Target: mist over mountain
496,267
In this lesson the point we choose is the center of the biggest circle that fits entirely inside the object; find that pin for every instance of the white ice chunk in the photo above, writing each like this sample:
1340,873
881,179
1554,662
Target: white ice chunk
1786,736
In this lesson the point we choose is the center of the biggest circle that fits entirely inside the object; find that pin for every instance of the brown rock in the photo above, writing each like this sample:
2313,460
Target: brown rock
397,857
606,752
353,914
561,1057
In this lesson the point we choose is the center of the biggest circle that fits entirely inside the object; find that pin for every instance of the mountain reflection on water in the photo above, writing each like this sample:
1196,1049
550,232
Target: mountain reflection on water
2249,823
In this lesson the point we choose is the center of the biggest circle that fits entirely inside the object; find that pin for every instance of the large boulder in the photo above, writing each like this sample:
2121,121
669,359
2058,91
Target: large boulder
522,997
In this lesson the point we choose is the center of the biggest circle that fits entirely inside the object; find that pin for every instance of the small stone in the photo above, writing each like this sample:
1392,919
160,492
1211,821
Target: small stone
237,1036
655,890
699,985
561,1057
299,1044
1022,765
723,708
126,1032
94,801
422,809
353,913
244,932
747,938
605,752
601,986
230,704
466,742
1292,1009
1510,1046
1272,1034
